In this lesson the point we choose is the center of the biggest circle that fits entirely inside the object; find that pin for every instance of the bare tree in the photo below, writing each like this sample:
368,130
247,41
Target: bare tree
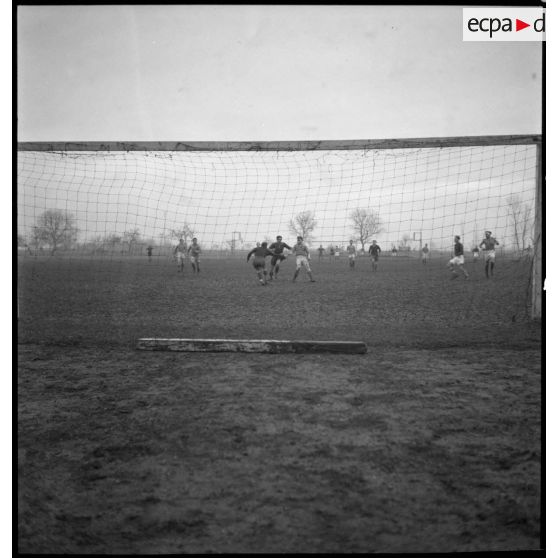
131,238
55,228
113,239
366,224
520,215
404,244
98,243
303,224
36,239
185,232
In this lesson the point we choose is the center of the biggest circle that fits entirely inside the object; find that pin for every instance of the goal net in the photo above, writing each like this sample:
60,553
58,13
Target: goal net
133,202
115,203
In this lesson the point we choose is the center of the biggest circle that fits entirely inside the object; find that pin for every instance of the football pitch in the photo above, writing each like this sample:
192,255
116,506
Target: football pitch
429,442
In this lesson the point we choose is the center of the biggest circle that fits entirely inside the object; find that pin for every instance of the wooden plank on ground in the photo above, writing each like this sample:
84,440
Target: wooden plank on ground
250,346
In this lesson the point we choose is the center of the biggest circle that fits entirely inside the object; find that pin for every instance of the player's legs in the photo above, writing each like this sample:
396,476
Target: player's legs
489,264
457,264
259,266
452,265
297,269
275,263
306,265
272,267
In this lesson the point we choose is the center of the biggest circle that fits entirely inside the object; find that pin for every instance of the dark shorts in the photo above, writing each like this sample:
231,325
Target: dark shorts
375,257
277,258
259,263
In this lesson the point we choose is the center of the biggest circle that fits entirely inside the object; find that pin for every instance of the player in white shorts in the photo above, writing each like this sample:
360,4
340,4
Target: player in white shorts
300,250
488,245
180,254
458,260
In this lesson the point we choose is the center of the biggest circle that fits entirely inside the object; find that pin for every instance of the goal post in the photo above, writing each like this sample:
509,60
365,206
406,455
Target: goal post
537,279
117,199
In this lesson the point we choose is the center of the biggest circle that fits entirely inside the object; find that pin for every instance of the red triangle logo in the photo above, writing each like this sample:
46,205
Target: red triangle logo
519,25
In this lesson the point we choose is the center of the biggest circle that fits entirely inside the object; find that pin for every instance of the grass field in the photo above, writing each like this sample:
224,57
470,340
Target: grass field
431,441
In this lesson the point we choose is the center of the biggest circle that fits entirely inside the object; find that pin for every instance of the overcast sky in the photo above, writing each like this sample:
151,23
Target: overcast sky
170,73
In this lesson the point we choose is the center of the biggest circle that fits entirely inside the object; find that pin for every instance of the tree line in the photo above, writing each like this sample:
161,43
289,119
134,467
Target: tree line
56,229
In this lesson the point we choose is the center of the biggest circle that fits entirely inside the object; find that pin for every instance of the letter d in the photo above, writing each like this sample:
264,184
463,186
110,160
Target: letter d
536,24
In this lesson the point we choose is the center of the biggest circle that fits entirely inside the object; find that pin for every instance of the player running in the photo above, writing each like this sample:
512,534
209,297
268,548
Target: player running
458,259
488,244
374,252
180,254
260,253
278,256
195,250
300,250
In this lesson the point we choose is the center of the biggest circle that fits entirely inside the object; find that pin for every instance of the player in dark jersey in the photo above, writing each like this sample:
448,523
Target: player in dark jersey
260,253
278,256
374,252
425,251
458,260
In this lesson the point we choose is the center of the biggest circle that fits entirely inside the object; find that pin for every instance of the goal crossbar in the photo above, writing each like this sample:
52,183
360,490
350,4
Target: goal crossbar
250,346
406,143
